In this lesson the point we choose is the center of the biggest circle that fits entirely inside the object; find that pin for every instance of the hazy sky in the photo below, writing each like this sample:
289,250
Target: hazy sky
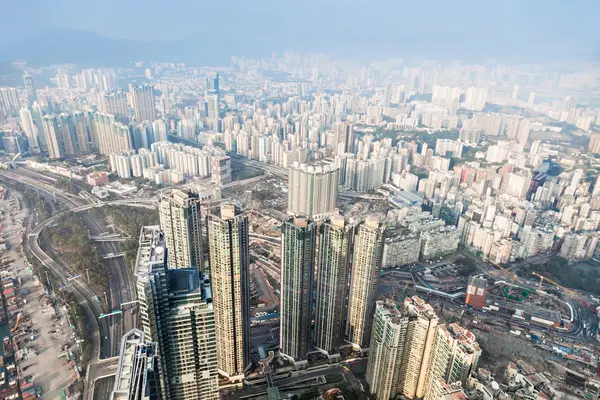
556,29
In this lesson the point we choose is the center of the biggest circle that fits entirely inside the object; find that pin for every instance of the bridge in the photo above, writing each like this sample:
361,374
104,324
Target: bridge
149,204
113,255
270,239
109,237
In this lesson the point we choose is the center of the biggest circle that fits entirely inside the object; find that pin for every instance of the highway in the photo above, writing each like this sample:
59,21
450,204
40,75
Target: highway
120,288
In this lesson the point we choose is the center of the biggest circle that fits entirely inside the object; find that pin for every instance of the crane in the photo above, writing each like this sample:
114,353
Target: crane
551,281
512,276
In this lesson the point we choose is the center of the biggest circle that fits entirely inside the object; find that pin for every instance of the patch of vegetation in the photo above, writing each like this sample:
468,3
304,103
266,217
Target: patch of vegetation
570,276
69,238
469,266
65,185
130,220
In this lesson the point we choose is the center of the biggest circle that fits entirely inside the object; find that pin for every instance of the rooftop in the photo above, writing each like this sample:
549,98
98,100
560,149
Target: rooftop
183,281
152,250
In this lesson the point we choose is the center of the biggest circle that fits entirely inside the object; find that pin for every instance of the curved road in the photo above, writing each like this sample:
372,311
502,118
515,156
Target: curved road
112,328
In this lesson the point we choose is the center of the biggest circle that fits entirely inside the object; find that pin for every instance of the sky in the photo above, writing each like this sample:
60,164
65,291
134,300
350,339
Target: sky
551,29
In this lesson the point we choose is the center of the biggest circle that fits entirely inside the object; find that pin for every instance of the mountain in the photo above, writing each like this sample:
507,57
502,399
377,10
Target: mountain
80,47
91,49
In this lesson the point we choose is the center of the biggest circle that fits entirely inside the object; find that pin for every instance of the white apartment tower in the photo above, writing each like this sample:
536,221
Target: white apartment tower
298,242
386,350
143,103
312,190
180,220
401,348
228,258
366,266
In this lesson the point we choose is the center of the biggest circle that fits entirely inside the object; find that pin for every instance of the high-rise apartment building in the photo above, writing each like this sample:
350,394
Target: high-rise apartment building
312,190
107,134
180,220
114,103
401,347
344,142
212,83
228,240
53,136
594,144
298,242
142,98
30,88
80,124
176,311
212,106
366,266
334,263
454,355
386,350
31,129
9,102
137,376
66,135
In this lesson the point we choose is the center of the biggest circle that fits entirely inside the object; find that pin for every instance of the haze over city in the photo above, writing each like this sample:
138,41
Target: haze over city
311,200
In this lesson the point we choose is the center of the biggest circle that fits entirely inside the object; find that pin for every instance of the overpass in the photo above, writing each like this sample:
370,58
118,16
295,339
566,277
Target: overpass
149,204
109,237
112,255
270,239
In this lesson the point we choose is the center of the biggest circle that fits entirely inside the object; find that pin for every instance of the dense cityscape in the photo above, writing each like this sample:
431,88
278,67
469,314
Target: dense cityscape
300,226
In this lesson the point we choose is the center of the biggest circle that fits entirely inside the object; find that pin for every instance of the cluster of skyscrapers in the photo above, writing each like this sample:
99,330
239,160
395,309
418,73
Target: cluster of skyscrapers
412,355
348,261
195,313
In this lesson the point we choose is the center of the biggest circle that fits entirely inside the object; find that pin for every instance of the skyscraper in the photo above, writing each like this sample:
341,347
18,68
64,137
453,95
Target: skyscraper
312,190
114,103
228,261
386,350
212,107
334,259
515,92
9,102
180,220
401,347
454,355
531,99
30,88
107,134
366,265
298,242
137,376
212,83
53,136
176,311
345,138
30,129
143,102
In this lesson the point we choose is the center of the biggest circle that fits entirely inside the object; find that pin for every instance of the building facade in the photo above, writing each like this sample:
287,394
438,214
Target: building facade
176,310
180,220
228,259
366,267
137,376
312,190
334,264
298,243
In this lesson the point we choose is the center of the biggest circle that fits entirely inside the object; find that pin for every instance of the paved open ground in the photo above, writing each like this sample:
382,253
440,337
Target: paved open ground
48,370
